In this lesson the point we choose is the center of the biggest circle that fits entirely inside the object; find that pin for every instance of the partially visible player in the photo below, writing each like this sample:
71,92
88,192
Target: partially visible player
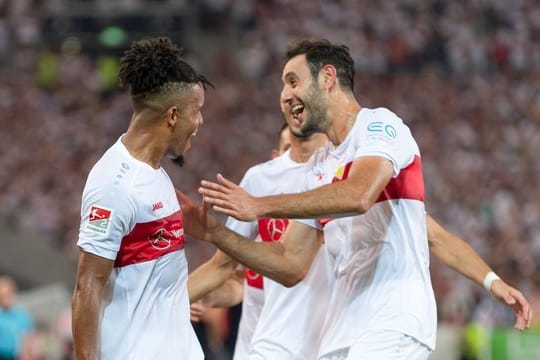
130,299
266,178
217,279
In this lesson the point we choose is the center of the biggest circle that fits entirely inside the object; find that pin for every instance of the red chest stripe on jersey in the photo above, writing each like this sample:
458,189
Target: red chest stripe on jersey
270,230
409,184
151,240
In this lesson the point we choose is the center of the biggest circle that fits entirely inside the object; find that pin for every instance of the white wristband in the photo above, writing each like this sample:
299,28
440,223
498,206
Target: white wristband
488,280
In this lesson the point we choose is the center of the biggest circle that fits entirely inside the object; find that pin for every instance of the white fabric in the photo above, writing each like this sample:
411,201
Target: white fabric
382,344
252,304
290,321
380,260
138,223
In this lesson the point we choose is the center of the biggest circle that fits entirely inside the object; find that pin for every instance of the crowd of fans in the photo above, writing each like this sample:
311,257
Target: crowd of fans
463,75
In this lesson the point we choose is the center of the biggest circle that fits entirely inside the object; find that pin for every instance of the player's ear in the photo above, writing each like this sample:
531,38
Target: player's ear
328,76
275,153
171,115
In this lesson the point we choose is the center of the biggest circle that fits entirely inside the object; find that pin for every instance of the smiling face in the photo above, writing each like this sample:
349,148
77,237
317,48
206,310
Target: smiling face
185,119
303,102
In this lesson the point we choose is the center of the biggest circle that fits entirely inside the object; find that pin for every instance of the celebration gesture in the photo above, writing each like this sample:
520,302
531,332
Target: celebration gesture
230,199
199,221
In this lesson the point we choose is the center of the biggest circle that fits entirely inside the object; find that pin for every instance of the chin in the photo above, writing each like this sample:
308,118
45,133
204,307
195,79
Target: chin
178,160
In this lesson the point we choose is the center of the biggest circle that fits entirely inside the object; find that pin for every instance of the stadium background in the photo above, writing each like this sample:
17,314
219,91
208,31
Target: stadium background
464,75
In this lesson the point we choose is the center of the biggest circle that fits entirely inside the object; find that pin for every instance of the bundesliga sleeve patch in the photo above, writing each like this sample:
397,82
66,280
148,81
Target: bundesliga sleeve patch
99,219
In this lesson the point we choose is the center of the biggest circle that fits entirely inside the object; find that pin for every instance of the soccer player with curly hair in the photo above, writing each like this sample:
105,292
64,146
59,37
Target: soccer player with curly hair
130,299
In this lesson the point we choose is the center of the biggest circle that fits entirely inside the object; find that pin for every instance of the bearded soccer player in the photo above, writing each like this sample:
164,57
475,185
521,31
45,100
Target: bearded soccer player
365,192
130,299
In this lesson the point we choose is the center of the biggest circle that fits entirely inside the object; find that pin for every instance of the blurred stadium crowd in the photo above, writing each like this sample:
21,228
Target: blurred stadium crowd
463,75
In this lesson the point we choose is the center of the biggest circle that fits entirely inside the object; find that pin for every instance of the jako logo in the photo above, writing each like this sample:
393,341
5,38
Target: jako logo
156,206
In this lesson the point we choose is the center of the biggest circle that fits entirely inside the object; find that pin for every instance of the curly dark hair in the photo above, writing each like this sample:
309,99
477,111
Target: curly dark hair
321,52
150,64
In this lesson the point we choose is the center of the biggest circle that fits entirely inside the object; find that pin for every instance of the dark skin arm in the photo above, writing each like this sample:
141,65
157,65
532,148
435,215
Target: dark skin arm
92,274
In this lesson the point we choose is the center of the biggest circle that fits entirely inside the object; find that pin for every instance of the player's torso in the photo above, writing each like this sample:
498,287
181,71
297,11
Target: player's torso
376,256
146,302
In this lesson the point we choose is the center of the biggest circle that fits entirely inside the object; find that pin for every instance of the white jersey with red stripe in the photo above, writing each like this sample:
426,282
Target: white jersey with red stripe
130,214
283,312
380,259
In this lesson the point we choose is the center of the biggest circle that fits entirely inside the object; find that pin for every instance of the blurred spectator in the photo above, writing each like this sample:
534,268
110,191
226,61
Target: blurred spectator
16,324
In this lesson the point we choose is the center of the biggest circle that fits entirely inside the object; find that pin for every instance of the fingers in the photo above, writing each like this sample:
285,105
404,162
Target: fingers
208,185
523,311
226,182
225,211
211,195
515,300
183,199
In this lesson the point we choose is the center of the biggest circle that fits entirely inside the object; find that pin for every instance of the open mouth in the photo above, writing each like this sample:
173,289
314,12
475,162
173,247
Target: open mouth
296,110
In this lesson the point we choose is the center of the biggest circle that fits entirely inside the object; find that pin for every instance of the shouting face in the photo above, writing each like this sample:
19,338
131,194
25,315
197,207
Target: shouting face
187,119
303,102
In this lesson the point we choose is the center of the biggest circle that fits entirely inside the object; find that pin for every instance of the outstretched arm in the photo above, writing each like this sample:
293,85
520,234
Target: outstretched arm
461,257
286,261
366,180
210,275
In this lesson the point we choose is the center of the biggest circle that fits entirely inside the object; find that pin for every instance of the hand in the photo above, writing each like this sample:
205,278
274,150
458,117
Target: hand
515,300
196,311
199,222
229,198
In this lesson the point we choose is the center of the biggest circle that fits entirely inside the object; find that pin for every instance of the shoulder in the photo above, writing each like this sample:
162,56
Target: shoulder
268,168
380,123
379,120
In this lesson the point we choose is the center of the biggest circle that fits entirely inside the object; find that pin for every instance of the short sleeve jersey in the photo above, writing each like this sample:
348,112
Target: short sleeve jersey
268,327
380,259
130,214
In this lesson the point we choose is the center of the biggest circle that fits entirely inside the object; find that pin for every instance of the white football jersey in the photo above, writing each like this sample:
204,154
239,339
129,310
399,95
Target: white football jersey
380,259
130,214
286,312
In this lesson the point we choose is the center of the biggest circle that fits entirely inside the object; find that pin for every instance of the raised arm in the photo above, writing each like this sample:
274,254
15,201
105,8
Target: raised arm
210,275
461,257
92,273
367,178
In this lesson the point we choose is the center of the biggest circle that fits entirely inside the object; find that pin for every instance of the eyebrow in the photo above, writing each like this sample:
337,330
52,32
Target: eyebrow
288,75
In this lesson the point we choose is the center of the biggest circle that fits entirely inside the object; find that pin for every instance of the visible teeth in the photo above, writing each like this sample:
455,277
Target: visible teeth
296,109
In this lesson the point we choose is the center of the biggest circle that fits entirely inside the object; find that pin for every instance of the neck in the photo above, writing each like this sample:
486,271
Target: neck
303,148
343,116
143,143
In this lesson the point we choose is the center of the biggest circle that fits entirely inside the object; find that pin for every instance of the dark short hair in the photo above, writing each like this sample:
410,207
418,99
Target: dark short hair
150,66
321,52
